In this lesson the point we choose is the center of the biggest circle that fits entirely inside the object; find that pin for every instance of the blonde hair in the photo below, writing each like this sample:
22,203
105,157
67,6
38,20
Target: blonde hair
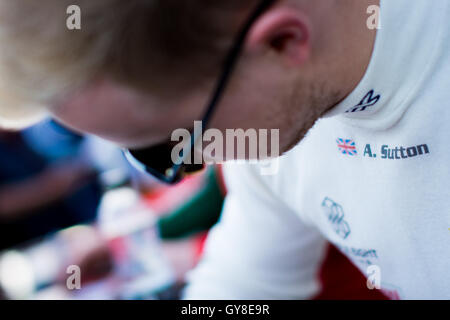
41,59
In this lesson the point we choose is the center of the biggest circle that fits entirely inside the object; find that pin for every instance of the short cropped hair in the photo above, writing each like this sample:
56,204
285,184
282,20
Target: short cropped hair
147,44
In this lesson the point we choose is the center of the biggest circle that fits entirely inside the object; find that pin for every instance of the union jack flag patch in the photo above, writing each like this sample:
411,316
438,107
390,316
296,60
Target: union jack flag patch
347,146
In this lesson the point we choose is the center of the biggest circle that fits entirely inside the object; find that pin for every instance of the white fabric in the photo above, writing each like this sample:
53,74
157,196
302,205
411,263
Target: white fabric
391,213
259,242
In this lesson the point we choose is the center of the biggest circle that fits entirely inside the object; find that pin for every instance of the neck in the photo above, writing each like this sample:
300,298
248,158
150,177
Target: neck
357,42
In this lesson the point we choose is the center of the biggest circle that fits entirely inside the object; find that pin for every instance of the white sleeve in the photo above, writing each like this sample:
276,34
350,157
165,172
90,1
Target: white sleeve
259,249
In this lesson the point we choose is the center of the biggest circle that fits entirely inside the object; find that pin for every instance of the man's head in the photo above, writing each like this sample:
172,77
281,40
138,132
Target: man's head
139,69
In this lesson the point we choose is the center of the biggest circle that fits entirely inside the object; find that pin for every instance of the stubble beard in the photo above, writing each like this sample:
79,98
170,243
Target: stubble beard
304,108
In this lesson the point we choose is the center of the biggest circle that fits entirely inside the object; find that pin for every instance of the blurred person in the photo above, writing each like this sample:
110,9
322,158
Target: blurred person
42,192
371,176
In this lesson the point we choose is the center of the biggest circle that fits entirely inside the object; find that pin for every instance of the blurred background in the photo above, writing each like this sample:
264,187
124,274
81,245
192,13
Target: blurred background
78,222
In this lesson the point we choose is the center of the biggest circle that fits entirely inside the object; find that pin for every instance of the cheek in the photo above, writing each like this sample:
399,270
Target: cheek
252,100
247,111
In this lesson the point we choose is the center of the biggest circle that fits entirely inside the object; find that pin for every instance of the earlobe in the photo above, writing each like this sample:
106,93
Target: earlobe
283,30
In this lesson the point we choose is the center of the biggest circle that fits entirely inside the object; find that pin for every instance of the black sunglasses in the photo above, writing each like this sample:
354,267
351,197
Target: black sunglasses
157,160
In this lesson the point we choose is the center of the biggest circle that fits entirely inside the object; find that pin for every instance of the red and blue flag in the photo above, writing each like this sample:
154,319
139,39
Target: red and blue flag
347,146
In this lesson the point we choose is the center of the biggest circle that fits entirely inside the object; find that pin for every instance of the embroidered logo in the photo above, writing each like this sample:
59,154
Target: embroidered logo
335,215
347,146
369,100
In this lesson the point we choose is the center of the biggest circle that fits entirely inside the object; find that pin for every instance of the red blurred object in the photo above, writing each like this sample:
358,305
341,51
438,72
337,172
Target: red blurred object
341,280
166,198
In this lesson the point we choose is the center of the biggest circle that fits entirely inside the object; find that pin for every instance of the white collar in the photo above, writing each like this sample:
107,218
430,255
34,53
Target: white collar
406,48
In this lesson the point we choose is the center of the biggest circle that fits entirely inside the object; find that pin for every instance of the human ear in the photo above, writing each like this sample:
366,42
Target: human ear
285,31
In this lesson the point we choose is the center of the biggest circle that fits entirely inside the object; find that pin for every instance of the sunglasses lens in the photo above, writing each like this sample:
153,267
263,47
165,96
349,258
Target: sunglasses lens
157,161
156,157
